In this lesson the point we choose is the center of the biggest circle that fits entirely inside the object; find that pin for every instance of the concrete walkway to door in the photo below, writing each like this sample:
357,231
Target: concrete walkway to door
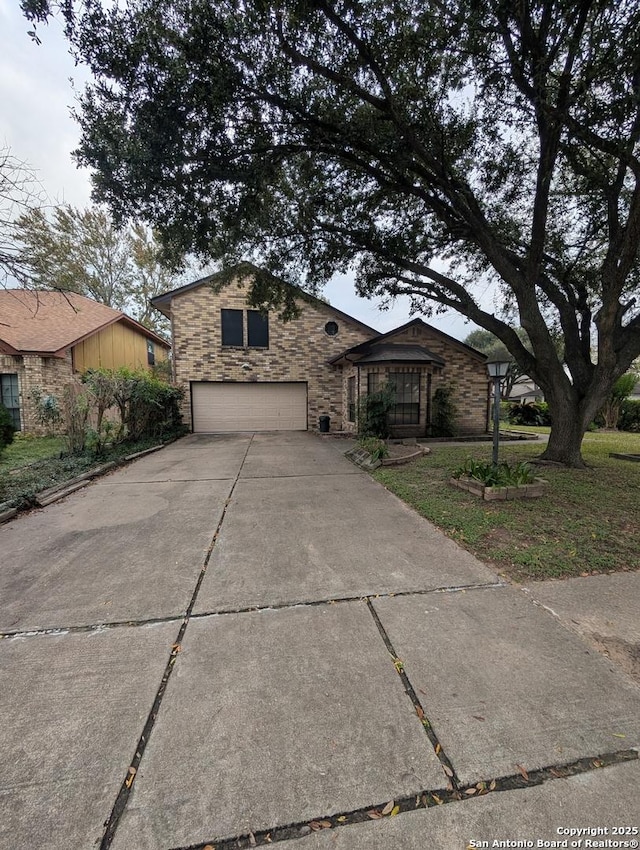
244,640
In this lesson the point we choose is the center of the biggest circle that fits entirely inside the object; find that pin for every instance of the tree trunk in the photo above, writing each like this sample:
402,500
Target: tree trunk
570,417
565,441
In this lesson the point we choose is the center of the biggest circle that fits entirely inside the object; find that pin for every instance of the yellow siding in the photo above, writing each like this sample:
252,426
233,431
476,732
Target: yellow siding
113,347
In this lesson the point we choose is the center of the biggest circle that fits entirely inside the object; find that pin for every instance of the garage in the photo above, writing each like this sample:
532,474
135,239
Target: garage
220,407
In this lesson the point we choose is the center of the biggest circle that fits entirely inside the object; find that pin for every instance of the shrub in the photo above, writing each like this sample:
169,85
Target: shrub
622,388
378,449
496,475
529,413
147,408
630,415
7,429
373,410
153,408
46,409
443,413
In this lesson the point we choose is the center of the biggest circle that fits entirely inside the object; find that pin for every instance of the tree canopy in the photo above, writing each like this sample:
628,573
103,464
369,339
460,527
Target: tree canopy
431,147
76,250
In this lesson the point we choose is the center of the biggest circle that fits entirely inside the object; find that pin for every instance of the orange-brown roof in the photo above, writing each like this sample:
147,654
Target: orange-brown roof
45,322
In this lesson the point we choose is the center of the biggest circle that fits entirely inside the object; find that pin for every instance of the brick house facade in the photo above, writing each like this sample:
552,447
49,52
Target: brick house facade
319,357
46,338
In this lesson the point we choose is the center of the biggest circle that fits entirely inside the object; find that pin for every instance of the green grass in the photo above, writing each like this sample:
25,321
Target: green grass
586,523
26,449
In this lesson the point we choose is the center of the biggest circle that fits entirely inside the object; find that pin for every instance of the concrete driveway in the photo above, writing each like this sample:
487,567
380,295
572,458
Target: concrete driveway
244,639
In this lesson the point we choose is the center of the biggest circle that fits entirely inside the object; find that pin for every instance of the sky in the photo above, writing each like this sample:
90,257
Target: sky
38,84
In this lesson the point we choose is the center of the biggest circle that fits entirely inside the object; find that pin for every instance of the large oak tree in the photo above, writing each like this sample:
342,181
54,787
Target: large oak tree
432,146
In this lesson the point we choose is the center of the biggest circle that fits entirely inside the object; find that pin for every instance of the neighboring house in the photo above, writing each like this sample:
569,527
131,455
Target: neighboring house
247,371
46,337
524,389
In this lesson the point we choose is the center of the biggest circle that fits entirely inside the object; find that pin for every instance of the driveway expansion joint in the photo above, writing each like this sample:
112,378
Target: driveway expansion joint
312,603
57,631
111,824
424,799
452,780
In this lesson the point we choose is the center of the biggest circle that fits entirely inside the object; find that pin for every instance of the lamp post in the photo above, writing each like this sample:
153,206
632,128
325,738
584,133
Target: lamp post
497,369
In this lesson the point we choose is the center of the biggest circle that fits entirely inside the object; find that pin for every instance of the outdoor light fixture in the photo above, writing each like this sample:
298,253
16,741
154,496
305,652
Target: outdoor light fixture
497,370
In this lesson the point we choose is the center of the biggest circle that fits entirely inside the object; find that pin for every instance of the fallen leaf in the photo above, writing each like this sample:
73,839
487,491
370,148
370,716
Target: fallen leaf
132,770
470,791
252,839
437,800
477,717
208,847
424,693
177,647
387,809
618,735
447,770
395,811
325,824
556,773
398,664
420,713
492,787
267,838
374,815
341,819
524,773
438,748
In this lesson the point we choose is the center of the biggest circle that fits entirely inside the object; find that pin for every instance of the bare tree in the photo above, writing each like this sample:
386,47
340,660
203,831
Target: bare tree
19,192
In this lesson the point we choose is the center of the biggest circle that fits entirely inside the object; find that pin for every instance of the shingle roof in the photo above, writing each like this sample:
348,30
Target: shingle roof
46,322
395,353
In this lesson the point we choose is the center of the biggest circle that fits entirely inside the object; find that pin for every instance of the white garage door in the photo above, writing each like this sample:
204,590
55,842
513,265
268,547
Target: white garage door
220,407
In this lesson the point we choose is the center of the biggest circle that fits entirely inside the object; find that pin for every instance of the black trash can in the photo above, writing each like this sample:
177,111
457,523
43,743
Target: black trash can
324,422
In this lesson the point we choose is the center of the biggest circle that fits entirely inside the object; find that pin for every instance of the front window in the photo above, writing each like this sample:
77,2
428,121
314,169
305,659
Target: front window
406,410
351,399
10,397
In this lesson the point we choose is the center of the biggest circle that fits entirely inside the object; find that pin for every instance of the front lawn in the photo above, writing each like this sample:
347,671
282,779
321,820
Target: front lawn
26,449
586,523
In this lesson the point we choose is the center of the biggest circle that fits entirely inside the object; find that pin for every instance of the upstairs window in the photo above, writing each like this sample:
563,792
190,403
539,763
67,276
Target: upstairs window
232,332
257,329
151,355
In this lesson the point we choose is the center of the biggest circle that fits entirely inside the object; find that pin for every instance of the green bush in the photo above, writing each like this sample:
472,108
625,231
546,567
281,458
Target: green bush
630,415
378,449
153,408
7,429
373,410
496,475
529,413
443,413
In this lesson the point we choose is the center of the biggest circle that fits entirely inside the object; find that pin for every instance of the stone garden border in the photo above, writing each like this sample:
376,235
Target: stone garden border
494,494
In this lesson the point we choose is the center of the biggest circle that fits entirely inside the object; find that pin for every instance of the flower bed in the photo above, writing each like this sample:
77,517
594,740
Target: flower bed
492,493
